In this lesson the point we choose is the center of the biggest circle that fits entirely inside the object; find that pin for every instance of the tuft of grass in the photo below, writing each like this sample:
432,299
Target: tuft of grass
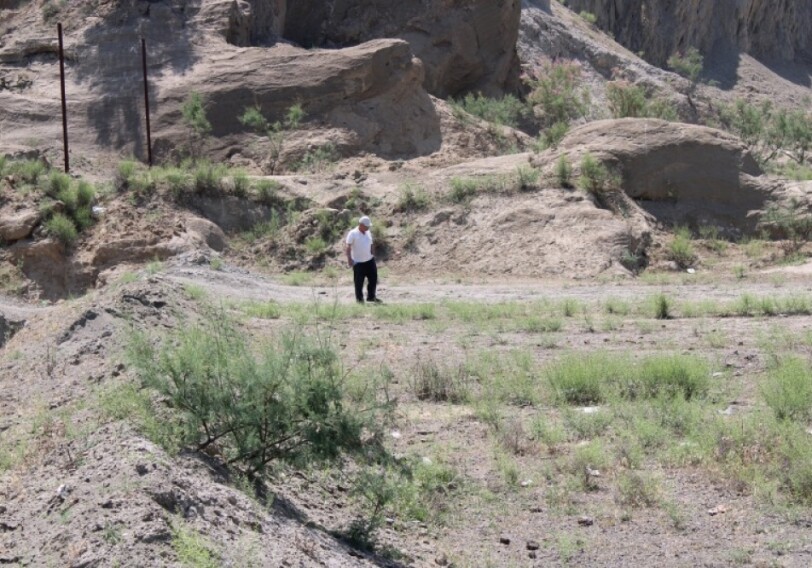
662,306
412,197
192,548
437,383
787,390
637,489
563,171
62,228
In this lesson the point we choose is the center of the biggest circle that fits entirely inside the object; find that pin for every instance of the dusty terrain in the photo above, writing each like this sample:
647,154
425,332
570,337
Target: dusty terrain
502,279
85,490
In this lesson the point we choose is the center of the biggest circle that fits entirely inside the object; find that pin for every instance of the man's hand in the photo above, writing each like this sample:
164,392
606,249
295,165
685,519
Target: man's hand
350,263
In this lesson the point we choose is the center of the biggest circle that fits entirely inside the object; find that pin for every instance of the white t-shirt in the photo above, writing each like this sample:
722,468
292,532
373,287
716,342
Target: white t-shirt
360,245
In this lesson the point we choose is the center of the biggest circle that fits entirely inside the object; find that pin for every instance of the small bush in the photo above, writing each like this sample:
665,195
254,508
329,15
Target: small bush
787,390
635,489
267,190
563,171
670,376
125,174
556,93
412,197
437,383
582,380
62,229
662,306
318,160
28,170
463,189
681,251
506,111
551,137
315,245
689,64
588,17
58,184
286,403
527,178
595,177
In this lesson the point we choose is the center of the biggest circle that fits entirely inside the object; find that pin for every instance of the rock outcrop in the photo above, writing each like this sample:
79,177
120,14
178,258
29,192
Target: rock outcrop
659,28
677,172
465,46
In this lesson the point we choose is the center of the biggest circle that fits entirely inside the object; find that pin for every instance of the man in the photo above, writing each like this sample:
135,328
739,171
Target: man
361,260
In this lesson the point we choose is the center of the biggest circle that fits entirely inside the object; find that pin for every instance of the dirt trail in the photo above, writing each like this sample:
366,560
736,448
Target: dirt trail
234,283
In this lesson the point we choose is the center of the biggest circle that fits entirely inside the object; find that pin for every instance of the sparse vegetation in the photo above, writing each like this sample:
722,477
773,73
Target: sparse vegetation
412,197
253,118
506,111
286,404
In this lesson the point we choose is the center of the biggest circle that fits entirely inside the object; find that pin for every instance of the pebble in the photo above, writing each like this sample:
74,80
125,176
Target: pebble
586,521
532,545
504,540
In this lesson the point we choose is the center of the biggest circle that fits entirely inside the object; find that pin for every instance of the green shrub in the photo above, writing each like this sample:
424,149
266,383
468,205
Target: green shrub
787,390
689,64
463,189
681,251
588,17
285,403
626,100
527,177
241,183
267,190
507,110
125,174
582,380
315,245
318,159
412,197
662,306
563,171
3,165
629,100
595,177
58,184
670,376
193,112
62,228
551,137
207,177
28,170
556,93
430,381
636,489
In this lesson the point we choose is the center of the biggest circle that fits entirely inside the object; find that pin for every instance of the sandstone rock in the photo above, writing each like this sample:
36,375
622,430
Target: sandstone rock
464,46
208,232
677,172
18,225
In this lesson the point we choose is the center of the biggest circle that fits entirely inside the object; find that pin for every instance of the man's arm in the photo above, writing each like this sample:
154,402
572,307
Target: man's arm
348,252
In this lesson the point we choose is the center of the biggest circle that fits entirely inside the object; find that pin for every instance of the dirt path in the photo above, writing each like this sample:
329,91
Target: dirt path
234,283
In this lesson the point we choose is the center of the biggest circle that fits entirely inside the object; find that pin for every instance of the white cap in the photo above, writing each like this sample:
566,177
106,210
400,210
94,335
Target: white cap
365,221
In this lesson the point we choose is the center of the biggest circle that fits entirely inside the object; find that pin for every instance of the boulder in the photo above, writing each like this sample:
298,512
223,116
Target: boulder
678,172
208,232
18,225
465,46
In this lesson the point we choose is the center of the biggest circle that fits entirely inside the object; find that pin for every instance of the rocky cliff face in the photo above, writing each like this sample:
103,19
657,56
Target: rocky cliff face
659,28
464,46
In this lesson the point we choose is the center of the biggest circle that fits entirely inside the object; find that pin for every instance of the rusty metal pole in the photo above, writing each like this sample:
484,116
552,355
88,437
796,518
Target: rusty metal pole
146,98
64,101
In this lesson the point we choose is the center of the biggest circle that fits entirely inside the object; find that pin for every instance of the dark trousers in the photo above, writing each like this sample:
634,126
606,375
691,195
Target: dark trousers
368,270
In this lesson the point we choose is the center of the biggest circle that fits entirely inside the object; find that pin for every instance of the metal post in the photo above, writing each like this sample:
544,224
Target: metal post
64,101
146,98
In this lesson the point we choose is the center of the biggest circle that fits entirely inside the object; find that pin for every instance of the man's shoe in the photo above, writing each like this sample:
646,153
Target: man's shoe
375,300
